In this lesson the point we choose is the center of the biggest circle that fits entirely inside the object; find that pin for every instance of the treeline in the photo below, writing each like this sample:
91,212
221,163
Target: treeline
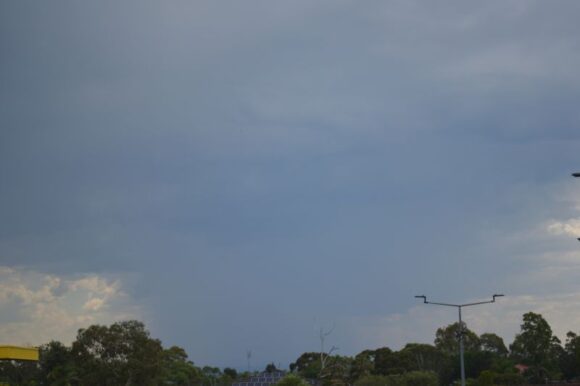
124,354
536,356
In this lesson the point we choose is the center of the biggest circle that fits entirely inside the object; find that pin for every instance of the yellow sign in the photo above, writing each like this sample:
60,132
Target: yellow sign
19,353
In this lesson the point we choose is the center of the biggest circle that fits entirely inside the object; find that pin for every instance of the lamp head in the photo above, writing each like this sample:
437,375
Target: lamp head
575,174
422,297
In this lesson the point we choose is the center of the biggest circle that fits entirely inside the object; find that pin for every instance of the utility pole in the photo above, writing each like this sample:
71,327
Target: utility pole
459,307
248,357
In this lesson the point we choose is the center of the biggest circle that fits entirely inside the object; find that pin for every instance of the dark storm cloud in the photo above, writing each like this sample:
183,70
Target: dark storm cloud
263,164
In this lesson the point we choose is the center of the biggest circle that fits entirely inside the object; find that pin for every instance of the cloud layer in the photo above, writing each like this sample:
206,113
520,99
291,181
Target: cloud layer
235,170
38,307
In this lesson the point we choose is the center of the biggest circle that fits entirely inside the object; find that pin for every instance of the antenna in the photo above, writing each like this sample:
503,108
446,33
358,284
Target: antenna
248,357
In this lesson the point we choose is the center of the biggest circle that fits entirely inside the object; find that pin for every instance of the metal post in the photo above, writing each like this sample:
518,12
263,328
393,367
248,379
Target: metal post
577,174
462,362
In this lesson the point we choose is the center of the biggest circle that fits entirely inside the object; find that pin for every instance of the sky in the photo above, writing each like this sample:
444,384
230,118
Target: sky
239,175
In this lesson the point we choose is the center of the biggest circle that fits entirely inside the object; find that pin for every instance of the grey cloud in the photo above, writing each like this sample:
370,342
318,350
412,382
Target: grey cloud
229,153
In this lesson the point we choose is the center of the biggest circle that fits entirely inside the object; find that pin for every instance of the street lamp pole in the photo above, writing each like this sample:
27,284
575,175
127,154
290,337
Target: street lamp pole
459,307
576,175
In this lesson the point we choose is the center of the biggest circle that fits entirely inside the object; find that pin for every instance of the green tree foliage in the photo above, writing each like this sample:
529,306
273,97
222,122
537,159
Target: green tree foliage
421,357
177,370
475,363
532,345
493,343
387,362
363,364
486,378
447,339
509,379
271,368
55,367
18,373
337,371
210,376
232,373
536,347
372,380
570,358
292,380
307,365
413,378
122,354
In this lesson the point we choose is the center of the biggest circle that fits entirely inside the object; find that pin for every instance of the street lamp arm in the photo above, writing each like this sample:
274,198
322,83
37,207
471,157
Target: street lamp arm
458,305
475,304
445,304
435,303
488,301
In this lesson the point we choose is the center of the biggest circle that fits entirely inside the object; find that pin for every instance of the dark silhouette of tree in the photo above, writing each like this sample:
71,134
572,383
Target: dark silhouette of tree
122,354
493,343
536,347
447,339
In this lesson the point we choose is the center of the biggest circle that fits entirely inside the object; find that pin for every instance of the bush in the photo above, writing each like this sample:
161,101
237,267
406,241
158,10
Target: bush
412,378
292,380
486,378
372,380
420,378
509,379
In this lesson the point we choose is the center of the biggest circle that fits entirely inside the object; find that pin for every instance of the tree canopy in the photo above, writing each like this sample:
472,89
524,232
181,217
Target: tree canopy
124,354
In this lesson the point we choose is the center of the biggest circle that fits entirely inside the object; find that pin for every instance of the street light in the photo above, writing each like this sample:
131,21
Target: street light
459,307
576,175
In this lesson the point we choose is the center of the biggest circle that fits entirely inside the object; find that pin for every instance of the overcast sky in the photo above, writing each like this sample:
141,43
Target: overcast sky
239,174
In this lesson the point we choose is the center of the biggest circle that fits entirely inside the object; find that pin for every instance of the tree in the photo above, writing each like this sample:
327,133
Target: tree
570,360
372,380
386,362
425,357
413,378
122,354
447,338
421,357
307,365
509,379
536,346
292,380
336,371
232,373
210,375
493,343
55,365
18,373
363,364
177,370
532,344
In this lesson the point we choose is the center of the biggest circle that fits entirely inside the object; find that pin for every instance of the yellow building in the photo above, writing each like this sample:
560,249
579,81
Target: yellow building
18,353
